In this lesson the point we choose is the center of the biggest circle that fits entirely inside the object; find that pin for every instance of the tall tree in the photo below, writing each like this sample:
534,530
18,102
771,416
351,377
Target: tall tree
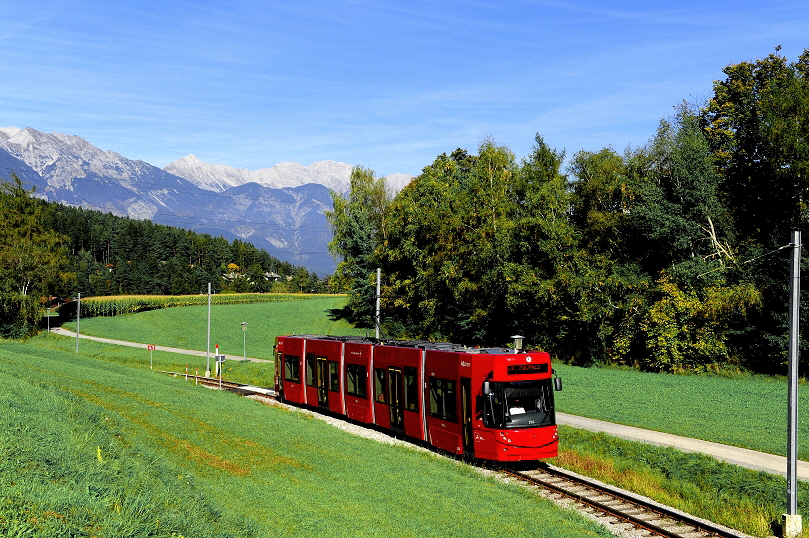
603,198
356,222
757,129
473,246
756,125
31,259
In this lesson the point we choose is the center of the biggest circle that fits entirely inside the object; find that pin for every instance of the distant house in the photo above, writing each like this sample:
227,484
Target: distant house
269,276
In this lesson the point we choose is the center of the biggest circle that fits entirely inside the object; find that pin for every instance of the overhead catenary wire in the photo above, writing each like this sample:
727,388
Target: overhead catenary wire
770,253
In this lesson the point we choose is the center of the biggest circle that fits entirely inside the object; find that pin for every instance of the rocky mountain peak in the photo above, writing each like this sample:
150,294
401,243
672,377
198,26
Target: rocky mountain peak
281,208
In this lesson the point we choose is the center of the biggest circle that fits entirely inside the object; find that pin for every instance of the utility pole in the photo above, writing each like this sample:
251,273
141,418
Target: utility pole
791,521
378,316
208,349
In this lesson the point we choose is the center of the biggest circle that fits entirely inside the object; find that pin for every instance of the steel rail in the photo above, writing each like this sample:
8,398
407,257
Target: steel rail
625,506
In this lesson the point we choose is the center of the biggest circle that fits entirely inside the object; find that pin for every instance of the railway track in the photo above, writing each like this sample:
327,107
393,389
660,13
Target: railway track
609,504
616,506
215,382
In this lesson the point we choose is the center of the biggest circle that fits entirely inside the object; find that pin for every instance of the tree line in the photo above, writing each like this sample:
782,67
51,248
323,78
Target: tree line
49,251
671,256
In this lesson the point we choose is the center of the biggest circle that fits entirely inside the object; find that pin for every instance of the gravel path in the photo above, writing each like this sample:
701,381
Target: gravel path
65,332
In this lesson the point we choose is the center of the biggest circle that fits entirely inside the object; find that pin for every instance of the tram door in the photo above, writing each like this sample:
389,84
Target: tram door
322,382
396,401
466,415
279,357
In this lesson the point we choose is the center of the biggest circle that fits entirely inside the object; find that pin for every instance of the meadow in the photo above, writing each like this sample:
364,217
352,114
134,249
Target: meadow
97,448
746,411
186,327
742,410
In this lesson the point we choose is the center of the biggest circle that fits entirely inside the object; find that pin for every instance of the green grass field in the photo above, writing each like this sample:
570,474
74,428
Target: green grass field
749,412
744,411
186,327
97,448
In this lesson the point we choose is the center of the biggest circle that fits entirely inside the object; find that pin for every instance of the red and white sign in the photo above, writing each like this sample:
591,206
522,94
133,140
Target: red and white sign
151,348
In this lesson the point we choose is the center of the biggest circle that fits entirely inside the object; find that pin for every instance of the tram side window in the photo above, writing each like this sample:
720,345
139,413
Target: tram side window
292,368
334,379
310,369
411,389
442,399
380,386
355,380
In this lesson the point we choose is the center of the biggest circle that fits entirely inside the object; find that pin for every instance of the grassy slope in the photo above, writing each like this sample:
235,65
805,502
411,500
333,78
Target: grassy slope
96,448
187,327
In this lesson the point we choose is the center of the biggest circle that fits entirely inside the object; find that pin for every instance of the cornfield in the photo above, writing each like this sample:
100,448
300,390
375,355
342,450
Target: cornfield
131,304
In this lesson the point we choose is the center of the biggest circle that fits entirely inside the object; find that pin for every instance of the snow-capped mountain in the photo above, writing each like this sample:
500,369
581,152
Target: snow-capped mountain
280,209
220,177
73,171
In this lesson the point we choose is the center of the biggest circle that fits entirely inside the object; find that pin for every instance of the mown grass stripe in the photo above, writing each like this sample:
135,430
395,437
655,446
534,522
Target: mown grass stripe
172,455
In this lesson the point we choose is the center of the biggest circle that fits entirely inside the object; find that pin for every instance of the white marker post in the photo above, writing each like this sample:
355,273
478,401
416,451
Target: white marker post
220,364
244,339
151,349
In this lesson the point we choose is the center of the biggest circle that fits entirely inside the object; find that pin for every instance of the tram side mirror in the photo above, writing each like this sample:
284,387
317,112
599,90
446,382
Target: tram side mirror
486,388
557,383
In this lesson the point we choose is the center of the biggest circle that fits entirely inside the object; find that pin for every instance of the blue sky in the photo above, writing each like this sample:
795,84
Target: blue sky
387,85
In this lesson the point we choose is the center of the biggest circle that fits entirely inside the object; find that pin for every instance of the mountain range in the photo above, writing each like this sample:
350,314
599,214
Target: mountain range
280,209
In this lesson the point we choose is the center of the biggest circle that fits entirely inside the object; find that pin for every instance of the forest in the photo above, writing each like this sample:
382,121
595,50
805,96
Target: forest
50,252
668,257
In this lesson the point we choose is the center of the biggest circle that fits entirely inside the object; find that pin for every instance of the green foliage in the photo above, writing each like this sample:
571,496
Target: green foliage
683,329
603,198
664,288
474,244
112,255
356,222
31,259
755,124
759,139
677,218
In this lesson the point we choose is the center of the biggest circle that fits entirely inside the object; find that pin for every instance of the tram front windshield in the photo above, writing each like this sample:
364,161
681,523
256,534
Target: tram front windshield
520,404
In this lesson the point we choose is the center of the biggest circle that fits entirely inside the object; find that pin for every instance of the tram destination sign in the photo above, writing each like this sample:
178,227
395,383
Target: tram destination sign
538,368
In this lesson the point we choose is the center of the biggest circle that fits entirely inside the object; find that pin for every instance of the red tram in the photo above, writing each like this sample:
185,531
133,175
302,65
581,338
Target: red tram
488,403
